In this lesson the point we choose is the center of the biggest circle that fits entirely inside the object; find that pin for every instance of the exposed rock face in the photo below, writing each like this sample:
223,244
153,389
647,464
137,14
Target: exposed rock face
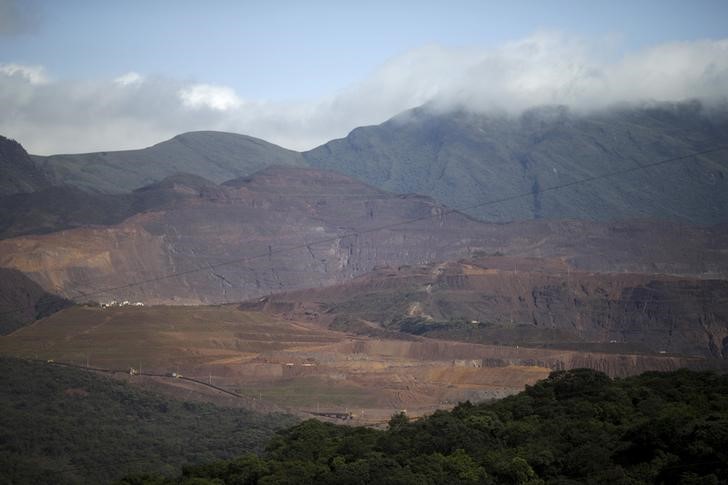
463,159
213,155
464,354
519,301
252,224
18,173
291,228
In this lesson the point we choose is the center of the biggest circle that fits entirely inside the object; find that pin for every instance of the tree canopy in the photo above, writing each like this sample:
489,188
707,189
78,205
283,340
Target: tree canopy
576,426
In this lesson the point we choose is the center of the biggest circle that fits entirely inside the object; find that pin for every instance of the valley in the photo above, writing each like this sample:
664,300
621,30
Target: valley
295,282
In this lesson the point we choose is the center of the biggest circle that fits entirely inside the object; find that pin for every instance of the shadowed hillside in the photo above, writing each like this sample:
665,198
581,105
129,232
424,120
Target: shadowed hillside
65,207
22,301
18,173
463,159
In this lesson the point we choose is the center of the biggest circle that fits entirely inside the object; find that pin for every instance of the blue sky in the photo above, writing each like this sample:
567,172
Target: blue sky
291,49
298,67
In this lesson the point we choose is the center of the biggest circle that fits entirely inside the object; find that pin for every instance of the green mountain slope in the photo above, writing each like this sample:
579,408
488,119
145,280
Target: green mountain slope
213,155
463,159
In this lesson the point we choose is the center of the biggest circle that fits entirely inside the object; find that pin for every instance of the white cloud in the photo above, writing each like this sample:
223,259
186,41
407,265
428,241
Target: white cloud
546,68
33,74
129,79
220,98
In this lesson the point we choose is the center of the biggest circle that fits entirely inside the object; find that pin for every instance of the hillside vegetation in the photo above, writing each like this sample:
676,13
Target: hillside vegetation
574,427
61,425
463,159
213,155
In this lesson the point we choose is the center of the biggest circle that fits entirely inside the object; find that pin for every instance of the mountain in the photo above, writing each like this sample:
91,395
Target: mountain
464,159
18,173
213,155
250,221
286,228
467,160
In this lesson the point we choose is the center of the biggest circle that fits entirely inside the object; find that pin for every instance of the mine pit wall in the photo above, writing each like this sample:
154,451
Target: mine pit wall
534,302
677,314
462,354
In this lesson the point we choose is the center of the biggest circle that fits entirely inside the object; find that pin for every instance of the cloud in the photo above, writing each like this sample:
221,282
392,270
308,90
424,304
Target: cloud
129,79
32,74
50,116
220,98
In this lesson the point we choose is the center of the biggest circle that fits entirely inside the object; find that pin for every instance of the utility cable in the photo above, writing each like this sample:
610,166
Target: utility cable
440,214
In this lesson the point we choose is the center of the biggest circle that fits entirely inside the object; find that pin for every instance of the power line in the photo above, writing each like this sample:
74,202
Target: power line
441,214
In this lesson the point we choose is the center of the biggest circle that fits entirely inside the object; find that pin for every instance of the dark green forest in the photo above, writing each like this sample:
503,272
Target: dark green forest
574,427
61,425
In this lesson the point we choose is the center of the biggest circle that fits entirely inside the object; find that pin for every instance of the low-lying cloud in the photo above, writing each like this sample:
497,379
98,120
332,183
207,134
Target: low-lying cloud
133,110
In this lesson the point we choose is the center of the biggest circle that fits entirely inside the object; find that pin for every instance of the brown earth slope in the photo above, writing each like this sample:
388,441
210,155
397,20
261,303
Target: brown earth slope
300,365
289,228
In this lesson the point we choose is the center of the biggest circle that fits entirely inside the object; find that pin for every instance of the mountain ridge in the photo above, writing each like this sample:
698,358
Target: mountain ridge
217,156
323,233
463,158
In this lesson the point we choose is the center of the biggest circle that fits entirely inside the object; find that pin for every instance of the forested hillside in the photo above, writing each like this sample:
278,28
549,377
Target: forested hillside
574,427
60,425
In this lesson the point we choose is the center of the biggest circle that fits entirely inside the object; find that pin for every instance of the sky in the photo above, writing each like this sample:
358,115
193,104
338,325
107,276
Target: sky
80,76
